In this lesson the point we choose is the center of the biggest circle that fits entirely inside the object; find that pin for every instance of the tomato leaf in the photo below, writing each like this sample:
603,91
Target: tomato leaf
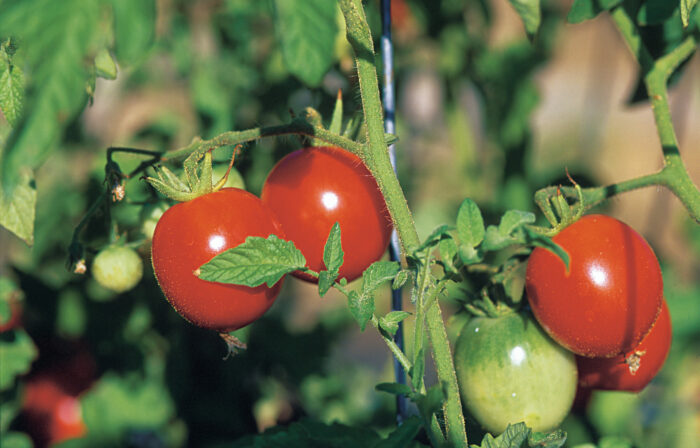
431,402
309,433
536,239
15,439
325,281
514,435
16,356
587,9
390,322
105,67
529,11
512,219
378,273
470,223
403,435
333,250
434,238
361,307
655,12
337,118
418,368
401,278
686,8
17,212
257,261
448,251
134,29
554,439
306,30
614,442
11,85
394,388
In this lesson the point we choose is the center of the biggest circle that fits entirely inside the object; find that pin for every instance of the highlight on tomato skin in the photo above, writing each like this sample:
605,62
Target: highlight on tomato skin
190,234
610,296
635,369
313,188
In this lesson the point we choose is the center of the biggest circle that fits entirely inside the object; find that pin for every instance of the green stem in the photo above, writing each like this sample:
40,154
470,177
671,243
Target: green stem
398,353
376,157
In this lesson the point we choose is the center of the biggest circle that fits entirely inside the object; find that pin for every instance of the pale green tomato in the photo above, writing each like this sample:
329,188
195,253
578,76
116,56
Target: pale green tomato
150,214
235,180
510,371
117,268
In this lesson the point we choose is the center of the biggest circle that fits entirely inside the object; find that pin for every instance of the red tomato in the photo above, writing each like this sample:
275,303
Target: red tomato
636,368
313,188
610,297
191,233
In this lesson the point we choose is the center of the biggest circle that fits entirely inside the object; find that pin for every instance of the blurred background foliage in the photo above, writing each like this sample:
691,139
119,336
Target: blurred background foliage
483,113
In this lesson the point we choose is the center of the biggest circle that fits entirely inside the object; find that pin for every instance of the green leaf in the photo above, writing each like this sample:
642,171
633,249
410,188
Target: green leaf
105,67
306,30
378,273
61,36
333,250
514,436
614,442
448,251
418,369
495,240
538,240
554,439
115,405
134,29
337,119
470,223
529,11
390,322
434,238
257,261
686,8
512,219
394,388
15,439
655,12
361,307
17,352
587,9
326,279
401,278
17,212
402,436
309,433
11,86
469,255
431,402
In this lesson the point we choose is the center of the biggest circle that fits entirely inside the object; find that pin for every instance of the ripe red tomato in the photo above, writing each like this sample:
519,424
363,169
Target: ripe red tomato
313,188
191,233
636,368
610,297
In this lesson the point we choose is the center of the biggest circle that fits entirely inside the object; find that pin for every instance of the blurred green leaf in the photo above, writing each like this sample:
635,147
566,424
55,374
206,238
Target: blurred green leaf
105,67
529,11
61,36
403,435
654,12
15,440
587,9
117,404
470,224
71,317
134,29
513,219
11,84
554,439
308,433
686,8
17,212
257,261
306,30
17,352
394,388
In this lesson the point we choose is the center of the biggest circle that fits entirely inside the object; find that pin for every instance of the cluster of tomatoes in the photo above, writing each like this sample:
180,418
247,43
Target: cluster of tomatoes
303,196
600,323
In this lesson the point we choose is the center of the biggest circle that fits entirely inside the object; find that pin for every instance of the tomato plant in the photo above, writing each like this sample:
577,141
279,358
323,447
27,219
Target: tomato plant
609,297
510,371
15,319
191,233
313,188
117,268
636,368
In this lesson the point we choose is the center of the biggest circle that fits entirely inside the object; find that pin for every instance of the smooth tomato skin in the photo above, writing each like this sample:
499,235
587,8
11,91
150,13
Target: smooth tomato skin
510,371
190,234
610,297
615,374
313,188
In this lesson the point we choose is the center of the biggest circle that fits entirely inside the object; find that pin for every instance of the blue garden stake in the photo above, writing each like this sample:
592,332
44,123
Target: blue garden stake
390,128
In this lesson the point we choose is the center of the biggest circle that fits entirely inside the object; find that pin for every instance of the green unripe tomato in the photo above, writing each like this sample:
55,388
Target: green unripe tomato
510,371
234,180
117,268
